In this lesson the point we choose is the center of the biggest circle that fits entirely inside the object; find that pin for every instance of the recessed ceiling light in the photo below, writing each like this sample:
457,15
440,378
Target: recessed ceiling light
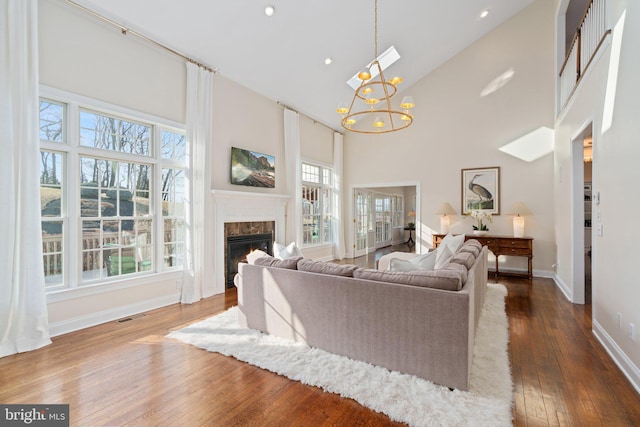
484,13
328,61
269,10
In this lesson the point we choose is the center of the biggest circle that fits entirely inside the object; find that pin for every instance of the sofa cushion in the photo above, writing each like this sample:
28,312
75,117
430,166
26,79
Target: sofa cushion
459,268
472,249
321,267
281,251
269,261
464,258
473,242
442,279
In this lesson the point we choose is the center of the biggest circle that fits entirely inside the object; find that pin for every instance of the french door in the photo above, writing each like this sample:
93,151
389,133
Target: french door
362,208
383,220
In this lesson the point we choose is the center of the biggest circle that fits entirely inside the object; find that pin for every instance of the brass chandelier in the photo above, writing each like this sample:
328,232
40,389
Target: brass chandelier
361,115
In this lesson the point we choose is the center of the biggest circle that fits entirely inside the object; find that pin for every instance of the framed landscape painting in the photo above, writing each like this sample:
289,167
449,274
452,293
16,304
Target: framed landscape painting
252,168
481,190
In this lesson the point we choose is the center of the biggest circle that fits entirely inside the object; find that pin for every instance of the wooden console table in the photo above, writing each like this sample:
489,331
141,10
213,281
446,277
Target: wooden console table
501,245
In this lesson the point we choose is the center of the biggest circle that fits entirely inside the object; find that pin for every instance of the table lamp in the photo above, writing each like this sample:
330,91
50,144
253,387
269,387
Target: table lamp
411,215
519,209
444,211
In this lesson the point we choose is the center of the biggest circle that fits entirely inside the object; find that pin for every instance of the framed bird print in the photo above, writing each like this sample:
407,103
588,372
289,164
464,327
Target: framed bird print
481,190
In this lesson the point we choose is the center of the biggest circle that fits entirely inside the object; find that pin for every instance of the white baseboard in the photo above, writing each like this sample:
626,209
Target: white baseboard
566,290
94,319
619,357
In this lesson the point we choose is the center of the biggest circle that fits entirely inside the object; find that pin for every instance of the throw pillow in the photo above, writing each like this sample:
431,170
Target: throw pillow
453,242
281,251
427,261
444,254
254,255
421,262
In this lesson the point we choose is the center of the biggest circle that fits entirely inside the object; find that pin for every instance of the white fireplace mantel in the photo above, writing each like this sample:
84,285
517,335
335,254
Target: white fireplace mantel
244,206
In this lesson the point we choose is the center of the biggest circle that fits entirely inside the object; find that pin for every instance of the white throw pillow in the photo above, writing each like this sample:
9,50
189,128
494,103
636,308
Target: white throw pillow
452,242
426,261
444,253
419,263
281,251
254,255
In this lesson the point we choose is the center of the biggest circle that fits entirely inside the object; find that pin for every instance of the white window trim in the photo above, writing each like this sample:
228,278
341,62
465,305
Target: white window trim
322,166
73,150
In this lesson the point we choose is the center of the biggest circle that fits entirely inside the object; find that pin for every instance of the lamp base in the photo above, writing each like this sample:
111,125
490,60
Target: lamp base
444,224
518,226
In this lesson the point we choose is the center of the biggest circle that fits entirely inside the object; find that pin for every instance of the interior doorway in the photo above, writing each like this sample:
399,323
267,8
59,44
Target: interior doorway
588,210
582,186
379,216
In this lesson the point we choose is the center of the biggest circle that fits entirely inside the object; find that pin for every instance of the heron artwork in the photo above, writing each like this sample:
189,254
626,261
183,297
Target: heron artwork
485,198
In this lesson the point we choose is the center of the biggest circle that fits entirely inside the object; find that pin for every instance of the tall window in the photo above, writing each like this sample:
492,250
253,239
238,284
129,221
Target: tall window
317,194
112,194
52,178
174,148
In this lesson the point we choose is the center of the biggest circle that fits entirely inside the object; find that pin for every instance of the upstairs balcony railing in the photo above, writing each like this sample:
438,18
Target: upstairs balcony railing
589,37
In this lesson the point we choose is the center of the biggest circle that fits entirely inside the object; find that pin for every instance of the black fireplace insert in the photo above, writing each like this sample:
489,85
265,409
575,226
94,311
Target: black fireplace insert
238,247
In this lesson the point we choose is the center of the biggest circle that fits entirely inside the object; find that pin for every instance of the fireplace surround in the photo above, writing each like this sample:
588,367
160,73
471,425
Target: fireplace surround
232,209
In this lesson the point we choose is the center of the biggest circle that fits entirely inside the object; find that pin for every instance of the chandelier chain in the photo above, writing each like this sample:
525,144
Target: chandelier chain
376,29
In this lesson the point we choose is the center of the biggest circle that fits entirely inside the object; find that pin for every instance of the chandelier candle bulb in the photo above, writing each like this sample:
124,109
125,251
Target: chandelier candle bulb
364,75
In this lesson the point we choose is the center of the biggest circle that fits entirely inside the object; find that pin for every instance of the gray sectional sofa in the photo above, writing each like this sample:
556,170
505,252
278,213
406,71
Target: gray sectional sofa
420,323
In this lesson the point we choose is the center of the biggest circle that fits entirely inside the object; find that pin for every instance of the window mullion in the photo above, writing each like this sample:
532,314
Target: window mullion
156,191
72,200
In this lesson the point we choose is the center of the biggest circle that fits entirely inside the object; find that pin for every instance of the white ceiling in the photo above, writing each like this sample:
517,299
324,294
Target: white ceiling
282,57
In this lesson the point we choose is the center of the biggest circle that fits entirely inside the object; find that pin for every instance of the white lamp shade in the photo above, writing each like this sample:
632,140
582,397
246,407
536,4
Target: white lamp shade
445,209
518,226
519,208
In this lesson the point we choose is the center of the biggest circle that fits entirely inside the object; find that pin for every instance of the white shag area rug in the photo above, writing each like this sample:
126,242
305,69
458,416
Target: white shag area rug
402,397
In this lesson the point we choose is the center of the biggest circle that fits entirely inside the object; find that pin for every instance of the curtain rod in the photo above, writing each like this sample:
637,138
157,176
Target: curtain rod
124,30
307,116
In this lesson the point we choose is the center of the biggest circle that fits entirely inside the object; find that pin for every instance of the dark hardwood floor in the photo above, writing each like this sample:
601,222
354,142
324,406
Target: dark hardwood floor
129,374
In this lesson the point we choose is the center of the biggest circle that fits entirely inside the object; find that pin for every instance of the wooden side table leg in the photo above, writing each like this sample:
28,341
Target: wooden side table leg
530,268
497,271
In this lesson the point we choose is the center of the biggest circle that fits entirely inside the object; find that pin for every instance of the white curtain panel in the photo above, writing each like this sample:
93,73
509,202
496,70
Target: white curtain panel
338,212
24,322
198,279
294,176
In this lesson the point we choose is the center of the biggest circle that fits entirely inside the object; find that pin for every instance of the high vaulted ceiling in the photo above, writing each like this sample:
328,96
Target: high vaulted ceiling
283,56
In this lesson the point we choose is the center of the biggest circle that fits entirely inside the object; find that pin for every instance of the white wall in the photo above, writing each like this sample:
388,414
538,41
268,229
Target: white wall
244,119
456,128
316,141
614,271
84,55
